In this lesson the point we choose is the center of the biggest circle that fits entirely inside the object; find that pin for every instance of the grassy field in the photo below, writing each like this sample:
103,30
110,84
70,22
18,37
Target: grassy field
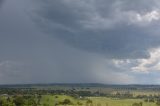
52,100
80,95
96,101
118,102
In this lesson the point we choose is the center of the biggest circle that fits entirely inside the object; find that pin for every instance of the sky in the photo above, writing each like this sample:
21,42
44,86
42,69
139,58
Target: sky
82,41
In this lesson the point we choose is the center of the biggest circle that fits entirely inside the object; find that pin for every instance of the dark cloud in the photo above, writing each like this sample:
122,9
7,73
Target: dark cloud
103,27
1,2
84,41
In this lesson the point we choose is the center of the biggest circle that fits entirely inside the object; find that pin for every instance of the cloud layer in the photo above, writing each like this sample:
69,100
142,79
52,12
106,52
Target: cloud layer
84,41
115,29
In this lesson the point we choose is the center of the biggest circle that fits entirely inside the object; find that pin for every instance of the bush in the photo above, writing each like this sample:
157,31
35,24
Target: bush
137,104
89,101
158,103
66,102
79,103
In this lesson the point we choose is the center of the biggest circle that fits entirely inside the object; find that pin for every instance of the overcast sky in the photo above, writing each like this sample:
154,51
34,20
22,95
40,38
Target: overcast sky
80,41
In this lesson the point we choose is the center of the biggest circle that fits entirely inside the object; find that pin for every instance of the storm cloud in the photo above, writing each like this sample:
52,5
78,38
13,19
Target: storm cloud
68,41
115,28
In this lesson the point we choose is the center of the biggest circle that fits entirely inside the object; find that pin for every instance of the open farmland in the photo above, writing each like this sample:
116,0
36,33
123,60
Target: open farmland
79,95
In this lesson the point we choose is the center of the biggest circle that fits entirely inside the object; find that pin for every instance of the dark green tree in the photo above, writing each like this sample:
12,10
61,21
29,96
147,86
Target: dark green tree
19,101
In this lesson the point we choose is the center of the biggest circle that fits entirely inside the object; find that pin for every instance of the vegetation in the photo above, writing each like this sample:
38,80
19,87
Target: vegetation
79,96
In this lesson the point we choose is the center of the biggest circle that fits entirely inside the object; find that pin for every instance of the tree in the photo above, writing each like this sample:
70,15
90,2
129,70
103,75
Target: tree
5,102
19,101
39,99
32,102
66,102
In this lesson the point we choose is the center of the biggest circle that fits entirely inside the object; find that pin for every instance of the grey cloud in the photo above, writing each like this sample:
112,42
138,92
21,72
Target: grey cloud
74,41
1,2
68,20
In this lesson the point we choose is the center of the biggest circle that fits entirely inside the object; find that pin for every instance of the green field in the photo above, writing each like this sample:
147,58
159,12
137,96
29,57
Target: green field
81,95
96,101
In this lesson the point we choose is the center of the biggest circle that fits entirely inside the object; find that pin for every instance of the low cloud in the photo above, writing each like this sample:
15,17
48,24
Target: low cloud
150,64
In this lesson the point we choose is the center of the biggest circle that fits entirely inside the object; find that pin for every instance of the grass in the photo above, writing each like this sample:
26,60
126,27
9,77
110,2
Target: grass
49,100
118,102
